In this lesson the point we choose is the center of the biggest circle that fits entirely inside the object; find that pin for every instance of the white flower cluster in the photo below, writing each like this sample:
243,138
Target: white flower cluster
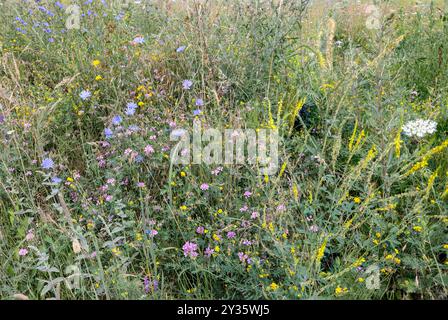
419,128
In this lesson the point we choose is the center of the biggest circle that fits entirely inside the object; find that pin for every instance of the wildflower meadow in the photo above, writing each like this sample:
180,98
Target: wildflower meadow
211,149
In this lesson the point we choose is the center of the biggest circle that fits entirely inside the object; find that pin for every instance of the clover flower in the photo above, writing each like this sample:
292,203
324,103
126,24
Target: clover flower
204,187
419,128
190,249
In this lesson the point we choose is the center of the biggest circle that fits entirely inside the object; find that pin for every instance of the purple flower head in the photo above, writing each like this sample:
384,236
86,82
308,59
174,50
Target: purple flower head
200,230
186,84
23,252
208,252
47,163
190,249
204,187
231,235
181,49
197,112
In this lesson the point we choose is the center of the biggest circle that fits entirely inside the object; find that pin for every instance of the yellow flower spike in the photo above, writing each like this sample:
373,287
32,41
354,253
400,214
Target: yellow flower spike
282,170
321,251
352,138
397,143
295,191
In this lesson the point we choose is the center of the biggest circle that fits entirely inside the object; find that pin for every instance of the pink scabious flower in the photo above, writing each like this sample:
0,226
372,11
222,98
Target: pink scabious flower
244,208
108,198
23,252
141,184
110,181
254,215
190,249
200,230
149,150
128,151
247,194
204,186
231,235
208,252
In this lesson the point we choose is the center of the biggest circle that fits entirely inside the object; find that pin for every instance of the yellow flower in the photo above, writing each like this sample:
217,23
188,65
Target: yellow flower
138,236
273,286
321,251
340,291
116,251
183,208
360,280
445,246
182,174
217,249
90,225
98,78
96,63
216,237
417,228
357,200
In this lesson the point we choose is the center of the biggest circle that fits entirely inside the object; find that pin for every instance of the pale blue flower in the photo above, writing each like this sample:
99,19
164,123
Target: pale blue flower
85,94
47,163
